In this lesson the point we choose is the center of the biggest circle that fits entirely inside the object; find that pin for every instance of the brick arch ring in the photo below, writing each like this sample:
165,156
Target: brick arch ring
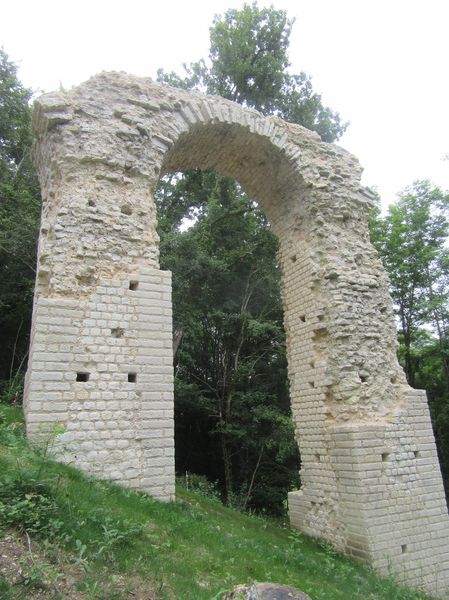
100,376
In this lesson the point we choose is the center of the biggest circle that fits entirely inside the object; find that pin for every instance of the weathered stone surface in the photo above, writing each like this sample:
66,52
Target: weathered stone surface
266,591
100,379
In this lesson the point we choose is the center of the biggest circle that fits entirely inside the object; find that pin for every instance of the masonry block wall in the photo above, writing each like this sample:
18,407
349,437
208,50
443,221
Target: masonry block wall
99,386
100,391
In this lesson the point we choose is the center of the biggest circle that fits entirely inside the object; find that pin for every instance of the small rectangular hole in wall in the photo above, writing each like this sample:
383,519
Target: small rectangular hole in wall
82,377
117,332
302,318
385,456
132,377
133,285
311,384
416,453
404,548
293,258
317,458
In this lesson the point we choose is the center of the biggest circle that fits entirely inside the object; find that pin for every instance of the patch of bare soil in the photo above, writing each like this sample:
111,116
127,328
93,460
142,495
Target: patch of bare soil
29,572
32,571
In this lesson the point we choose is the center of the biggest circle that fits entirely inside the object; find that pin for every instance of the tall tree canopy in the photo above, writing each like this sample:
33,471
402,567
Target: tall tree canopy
248,63
15,134
412,242
19,218
232,406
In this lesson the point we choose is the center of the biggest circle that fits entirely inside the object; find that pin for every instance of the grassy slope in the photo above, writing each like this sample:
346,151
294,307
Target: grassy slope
188,550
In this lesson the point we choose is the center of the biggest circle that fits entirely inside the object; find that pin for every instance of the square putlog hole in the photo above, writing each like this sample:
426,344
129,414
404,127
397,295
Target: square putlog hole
132,377
385,456
117,332
83,377
133,285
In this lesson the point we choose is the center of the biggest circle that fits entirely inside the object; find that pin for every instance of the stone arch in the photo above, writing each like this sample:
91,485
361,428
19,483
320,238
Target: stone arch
99,381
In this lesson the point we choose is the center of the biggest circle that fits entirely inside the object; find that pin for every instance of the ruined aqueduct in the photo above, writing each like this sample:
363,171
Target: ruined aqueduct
100,377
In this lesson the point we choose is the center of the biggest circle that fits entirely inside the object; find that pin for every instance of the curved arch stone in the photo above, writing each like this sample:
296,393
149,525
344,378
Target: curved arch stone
100,380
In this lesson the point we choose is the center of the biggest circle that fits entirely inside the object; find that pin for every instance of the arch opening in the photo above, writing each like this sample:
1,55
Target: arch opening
231,399
268,177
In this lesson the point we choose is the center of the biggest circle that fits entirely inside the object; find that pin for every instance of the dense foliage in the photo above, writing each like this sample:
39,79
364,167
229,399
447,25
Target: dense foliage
232,404
19,218
232,408
248,63
412,241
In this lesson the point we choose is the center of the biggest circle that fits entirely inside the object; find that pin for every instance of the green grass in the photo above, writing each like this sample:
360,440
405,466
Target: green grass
189,550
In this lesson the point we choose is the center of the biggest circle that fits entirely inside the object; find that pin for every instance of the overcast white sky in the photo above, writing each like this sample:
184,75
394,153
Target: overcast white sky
383,64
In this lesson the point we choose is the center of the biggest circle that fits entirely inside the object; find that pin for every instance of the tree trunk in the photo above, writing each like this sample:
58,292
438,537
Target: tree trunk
227,465
253,478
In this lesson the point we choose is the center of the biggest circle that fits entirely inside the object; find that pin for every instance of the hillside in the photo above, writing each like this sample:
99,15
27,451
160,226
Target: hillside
65,536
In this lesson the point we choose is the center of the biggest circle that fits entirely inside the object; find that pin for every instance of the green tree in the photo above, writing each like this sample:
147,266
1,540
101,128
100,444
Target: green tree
232,405
19,219
412,242
248,63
